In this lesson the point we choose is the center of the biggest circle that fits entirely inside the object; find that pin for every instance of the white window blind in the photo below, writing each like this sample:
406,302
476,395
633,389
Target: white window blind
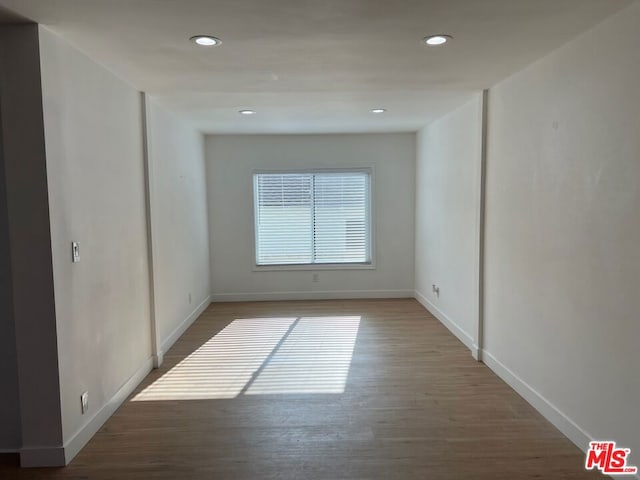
312,218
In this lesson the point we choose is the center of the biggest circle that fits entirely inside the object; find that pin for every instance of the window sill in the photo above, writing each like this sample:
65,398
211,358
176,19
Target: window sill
314,267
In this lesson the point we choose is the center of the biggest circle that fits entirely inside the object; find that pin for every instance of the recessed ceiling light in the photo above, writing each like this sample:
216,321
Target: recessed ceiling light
206,40
378,110
247,112
437,39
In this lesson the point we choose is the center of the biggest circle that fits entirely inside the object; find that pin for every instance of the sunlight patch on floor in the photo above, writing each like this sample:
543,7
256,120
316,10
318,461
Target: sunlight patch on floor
314,358
264,356
223,365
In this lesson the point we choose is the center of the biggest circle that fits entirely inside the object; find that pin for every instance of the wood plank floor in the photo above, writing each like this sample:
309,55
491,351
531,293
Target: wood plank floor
415,404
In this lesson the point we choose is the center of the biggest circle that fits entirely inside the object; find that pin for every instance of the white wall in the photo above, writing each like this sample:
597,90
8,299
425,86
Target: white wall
179,222
563,231
93,134
10,433
231,161
30,410
447,218
10,436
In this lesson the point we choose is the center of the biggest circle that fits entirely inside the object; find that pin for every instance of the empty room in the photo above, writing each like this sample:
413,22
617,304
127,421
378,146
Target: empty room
331,239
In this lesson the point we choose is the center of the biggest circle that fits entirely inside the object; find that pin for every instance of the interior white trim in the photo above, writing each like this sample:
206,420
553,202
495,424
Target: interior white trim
82,436
310,295
60,456
168,342
157,359
559,419
549,411
156,350
306,267
370,214
453,327
480,225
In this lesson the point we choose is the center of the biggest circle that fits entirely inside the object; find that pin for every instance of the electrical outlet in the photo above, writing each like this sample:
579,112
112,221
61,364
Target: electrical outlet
84,402
436,289
316,277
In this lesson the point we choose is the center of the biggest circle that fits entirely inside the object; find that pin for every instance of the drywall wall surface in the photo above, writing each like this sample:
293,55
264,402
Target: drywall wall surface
231,163
31,322
447,217
562,229
10,436
93,133
179,218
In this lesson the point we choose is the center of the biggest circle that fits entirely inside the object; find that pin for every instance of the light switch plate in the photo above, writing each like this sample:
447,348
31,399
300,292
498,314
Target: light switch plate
75,252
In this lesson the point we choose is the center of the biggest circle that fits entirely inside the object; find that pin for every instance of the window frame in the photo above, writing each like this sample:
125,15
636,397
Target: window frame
370,265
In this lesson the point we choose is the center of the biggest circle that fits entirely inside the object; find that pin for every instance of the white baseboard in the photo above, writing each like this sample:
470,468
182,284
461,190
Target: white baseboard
157,359
559,419
82,436
549,411
463,336
60,456
168,342
310,295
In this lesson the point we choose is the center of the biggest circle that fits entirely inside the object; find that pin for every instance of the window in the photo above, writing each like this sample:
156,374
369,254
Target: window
312,218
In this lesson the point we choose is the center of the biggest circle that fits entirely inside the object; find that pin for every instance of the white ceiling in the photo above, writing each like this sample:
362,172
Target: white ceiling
315,66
